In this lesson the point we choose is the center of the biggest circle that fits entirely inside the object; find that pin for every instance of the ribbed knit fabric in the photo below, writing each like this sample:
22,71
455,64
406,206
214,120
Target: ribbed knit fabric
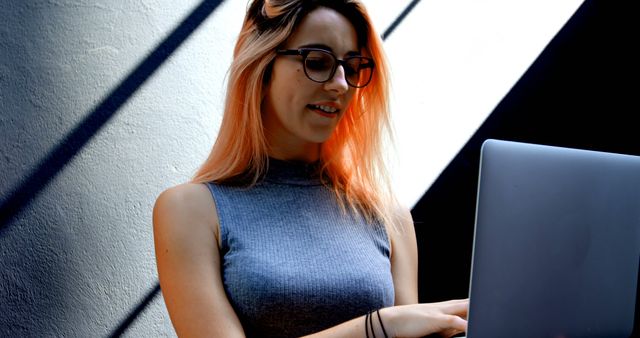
292,262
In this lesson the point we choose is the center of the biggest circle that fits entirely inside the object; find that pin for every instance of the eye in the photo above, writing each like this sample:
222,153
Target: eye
318,61
352,65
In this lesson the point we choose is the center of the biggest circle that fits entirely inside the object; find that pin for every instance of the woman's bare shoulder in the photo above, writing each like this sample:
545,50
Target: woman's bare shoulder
185,205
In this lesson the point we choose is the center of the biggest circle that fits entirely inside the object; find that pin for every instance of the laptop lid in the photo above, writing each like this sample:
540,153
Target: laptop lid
556,243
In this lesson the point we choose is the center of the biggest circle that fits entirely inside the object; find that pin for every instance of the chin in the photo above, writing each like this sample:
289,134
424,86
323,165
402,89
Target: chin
319,137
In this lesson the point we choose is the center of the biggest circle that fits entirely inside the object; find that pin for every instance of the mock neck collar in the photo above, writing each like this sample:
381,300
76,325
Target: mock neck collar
293,172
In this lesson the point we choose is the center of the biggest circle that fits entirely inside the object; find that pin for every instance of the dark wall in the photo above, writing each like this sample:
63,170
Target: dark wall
582,92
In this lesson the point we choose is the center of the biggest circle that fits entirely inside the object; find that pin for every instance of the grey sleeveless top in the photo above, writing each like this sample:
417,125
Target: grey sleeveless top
293,262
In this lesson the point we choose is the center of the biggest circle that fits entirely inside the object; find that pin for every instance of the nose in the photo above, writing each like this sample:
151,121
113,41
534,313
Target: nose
338,82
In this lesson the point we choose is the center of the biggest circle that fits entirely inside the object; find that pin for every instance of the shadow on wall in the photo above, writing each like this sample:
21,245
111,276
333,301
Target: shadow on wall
35,278
64,152
133,315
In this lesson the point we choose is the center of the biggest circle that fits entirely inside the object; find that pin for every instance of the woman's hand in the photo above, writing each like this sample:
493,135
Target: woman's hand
417,320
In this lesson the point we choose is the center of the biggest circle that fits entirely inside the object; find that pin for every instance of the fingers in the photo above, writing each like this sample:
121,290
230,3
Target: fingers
454,316
454,326
457,323
459,307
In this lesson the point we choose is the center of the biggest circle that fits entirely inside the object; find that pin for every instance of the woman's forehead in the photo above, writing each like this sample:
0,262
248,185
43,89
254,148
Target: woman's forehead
324,26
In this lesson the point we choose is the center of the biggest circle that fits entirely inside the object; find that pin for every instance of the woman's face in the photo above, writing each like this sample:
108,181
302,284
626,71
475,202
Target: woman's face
298,113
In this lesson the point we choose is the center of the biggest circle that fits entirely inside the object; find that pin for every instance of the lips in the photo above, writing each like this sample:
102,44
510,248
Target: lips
327,110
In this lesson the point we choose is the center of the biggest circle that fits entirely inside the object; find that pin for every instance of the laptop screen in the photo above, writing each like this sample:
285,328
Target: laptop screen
556,243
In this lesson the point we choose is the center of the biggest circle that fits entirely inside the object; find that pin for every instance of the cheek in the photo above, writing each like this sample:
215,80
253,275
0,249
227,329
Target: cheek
291,80
283,98
349,96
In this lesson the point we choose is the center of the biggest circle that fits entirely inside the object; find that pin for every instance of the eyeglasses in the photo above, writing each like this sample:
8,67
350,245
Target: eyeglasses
320,66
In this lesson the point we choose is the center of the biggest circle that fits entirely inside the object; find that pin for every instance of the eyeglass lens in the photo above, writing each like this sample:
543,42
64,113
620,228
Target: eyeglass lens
320,66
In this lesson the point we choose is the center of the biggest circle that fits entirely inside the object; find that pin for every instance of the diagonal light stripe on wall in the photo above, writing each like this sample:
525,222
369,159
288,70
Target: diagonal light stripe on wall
451,63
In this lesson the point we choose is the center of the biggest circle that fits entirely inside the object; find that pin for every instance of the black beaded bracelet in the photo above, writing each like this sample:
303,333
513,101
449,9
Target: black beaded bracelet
373,333
382,325
368,324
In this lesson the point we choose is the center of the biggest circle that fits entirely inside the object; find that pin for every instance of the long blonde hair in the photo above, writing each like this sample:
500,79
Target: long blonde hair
352,158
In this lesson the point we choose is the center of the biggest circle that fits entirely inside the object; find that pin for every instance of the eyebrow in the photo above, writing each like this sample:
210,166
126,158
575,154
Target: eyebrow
327,48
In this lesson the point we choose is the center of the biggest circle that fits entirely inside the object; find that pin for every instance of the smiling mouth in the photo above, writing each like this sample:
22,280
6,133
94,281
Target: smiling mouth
323,110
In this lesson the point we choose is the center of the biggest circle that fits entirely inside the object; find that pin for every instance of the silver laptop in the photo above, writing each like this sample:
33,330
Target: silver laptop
557,243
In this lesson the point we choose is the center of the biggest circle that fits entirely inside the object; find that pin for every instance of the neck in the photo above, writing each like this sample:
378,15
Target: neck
305,153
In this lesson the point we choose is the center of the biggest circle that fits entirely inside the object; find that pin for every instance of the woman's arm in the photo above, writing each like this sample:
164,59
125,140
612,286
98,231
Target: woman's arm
404,260
185,228
413,320
407,318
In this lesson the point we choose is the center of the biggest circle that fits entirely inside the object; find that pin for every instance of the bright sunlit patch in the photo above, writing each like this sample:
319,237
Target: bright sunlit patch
451,63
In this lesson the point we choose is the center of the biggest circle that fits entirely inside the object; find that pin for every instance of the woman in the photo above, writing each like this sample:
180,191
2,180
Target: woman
289,228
